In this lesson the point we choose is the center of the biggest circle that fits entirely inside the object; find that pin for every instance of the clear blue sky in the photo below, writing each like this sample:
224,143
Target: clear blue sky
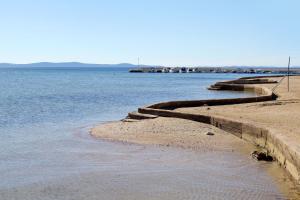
164,32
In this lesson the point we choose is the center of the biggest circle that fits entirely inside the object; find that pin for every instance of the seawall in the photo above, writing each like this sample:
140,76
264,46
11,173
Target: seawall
274,143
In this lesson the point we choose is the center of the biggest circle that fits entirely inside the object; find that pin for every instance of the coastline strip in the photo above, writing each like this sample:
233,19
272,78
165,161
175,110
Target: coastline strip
277,144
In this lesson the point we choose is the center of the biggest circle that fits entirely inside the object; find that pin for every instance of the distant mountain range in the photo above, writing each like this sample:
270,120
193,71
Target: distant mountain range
121,65
65,64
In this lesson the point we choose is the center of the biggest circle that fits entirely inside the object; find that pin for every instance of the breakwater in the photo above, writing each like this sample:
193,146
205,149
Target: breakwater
267,138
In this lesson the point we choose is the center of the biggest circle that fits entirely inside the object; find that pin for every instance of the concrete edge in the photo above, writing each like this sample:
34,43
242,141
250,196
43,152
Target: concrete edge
263,137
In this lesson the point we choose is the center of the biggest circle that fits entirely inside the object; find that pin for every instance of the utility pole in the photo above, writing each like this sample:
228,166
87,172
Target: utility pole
289,74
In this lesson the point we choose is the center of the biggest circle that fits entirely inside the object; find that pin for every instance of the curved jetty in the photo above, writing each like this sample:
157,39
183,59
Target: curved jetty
269,119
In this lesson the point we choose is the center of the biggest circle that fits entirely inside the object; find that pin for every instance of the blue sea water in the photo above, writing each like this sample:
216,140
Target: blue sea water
45,114
39,105
30,97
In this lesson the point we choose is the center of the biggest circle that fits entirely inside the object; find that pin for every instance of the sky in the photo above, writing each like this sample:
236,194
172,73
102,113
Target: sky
159,32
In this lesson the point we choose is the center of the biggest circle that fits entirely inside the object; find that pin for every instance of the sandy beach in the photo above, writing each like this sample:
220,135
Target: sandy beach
150,100
281,116
169,132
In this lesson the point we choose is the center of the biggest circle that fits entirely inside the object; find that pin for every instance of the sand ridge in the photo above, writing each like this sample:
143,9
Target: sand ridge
169,132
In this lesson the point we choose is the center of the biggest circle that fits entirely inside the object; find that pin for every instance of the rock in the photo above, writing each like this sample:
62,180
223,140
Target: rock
210,133
129,120
261,156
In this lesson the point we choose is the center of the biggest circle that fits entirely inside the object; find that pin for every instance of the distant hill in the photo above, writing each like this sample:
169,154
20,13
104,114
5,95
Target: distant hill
65,65
121,65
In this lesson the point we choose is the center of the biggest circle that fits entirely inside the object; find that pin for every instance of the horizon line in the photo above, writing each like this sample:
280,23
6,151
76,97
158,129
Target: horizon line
147,65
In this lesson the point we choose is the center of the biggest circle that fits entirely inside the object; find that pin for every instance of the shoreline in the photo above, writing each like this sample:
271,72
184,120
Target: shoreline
224,69
163,131
263,136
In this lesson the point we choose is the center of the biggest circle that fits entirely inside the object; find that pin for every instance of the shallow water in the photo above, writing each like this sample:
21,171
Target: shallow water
109,170
43,155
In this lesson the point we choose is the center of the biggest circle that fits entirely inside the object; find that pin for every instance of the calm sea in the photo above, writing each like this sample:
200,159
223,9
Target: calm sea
45,114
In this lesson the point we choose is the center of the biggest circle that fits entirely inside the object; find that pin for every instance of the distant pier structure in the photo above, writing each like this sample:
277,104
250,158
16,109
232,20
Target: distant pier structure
240,70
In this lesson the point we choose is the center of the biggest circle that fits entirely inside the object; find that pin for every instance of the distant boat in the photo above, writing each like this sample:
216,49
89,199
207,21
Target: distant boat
190,70
182,70
175,70
166,70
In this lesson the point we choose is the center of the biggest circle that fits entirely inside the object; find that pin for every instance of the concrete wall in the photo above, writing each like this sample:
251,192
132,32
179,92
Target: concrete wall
264,95
273,142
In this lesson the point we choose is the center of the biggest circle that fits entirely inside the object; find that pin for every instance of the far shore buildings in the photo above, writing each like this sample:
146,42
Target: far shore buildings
241,70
